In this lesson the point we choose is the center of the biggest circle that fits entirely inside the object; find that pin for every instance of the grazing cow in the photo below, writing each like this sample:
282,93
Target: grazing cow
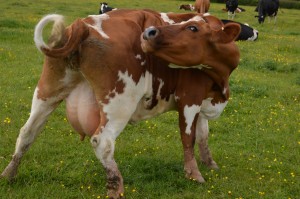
247,33
187,7
231,7
97,70
104,8
267,8
202,6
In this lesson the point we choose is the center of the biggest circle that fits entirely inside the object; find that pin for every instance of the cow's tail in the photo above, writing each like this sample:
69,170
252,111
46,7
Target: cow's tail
63,41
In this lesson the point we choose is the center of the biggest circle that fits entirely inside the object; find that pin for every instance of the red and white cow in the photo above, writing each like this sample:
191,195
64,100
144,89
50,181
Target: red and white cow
99,63
187,7
202,6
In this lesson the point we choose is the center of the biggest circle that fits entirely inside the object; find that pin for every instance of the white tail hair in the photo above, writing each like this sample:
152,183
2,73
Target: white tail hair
58,26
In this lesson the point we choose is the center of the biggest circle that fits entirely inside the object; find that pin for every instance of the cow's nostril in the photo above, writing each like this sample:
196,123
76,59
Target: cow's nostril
150,33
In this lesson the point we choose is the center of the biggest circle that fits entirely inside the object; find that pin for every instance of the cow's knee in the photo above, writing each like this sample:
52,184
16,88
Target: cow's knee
104,146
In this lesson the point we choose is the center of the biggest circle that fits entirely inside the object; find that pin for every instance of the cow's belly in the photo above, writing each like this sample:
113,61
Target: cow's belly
82,110
142,113
212,111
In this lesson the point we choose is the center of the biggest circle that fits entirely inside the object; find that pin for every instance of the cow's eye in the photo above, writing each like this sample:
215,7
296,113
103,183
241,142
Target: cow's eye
192,28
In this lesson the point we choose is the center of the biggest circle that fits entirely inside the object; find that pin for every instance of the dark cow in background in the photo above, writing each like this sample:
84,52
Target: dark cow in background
231,6
247,33
267,8
187,7
104,8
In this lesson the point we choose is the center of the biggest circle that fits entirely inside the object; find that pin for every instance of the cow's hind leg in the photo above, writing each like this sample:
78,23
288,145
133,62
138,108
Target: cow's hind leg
202,140
40,110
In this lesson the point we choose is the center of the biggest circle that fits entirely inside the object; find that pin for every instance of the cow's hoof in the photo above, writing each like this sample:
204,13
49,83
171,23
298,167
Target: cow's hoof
112,194
212,165
10,172
8,177
195,176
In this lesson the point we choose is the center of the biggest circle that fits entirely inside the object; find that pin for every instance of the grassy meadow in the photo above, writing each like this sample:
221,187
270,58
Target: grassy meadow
256,141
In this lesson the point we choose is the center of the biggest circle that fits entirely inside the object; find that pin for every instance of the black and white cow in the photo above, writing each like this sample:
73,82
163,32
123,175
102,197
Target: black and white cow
267,8
247,33
231,6
104,8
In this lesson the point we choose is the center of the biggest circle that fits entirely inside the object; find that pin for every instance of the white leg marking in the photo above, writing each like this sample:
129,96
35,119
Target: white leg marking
201,129
202,140
189,114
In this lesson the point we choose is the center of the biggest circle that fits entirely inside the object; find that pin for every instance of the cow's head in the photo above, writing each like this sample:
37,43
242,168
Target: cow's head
261,18
200,40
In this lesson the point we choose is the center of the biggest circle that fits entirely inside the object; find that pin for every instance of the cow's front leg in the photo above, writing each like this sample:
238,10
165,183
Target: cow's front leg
187,129
40,110
202,140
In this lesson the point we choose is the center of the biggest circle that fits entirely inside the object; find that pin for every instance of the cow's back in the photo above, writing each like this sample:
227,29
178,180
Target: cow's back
268,7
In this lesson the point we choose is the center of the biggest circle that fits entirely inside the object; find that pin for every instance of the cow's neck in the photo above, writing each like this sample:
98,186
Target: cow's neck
221,78
220,68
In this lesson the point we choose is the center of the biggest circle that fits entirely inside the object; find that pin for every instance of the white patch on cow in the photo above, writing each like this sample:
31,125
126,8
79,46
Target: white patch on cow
195,18
210,111
206,14
224,90
189,114
98,24
200,66
254,37
176,98
138,56
120,107
143,63
161,84
166,18
142,111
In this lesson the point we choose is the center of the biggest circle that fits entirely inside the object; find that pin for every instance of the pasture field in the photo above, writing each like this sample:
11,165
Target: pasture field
256,141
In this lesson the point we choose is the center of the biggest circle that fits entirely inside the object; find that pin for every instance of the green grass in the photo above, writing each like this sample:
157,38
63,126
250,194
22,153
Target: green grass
256,141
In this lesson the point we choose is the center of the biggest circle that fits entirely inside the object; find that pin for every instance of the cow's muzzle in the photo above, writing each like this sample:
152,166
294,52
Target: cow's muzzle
150,33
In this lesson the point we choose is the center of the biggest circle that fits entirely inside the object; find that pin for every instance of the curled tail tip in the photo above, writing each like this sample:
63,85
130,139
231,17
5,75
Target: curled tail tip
38,32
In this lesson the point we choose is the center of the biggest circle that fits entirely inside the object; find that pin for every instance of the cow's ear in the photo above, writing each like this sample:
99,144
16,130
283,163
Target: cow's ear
228,33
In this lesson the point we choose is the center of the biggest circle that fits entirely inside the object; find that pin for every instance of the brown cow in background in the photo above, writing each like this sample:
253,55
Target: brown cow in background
202,6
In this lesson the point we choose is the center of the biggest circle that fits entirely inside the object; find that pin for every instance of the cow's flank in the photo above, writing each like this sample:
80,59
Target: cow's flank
109,78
